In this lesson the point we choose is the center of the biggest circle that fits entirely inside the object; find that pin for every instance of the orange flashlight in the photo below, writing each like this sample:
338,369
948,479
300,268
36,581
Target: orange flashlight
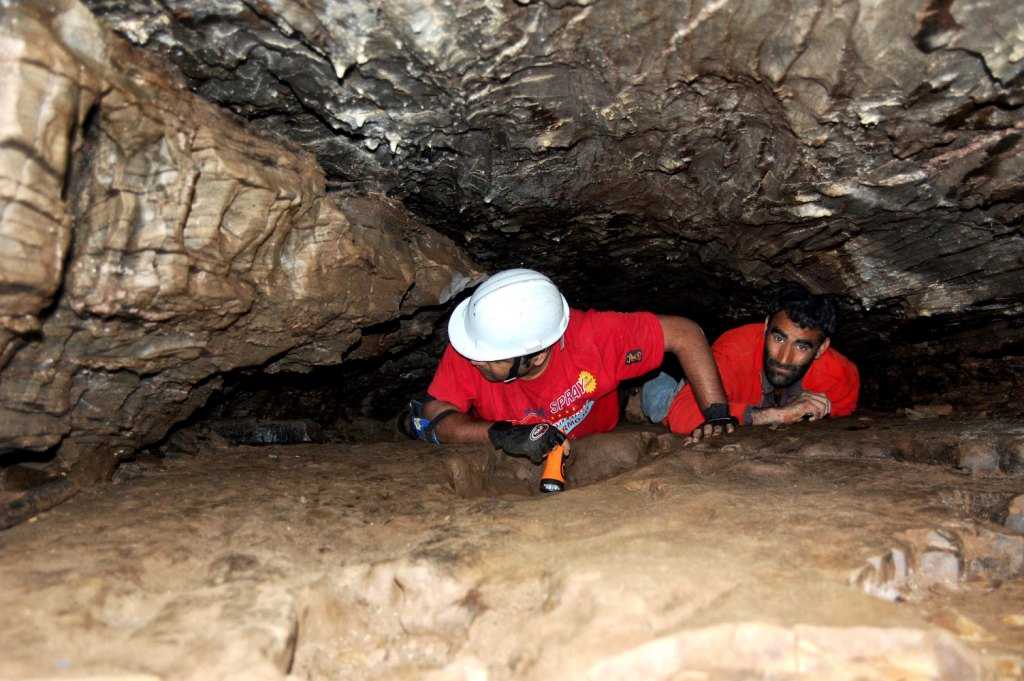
553,477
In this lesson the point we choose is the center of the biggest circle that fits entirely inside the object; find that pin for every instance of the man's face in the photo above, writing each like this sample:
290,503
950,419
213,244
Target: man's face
789,350
495,372
498,370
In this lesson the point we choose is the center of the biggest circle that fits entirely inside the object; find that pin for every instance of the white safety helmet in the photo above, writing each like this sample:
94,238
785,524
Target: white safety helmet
514,313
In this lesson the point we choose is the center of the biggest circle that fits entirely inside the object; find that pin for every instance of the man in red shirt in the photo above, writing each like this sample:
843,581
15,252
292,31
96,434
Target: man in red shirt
523,371
781,371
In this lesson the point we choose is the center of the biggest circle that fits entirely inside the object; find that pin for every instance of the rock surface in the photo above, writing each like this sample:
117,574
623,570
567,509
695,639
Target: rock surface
157,250
152,242
680,154
361,562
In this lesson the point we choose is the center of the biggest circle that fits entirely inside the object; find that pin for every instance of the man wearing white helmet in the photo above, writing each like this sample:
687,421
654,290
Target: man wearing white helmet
523,371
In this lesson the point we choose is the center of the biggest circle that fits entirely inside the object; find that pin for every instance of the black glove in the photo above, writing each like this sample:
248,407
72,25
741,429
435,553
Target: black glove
534,441
717,414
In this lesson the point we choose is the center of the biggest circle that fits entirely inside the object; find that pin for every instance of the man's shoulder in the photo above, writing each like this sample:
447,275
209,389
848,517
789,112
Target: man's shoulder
832,368
838,360
452,361
455,380
747,335
599,321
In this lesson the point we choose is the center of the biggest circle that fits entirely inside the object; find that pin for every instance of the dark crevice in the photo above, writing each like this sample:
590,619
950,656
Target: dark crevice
936,23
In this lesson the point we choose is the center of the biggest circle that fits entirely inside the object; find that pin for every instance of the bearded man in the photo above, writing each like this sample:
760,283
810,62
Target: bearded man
781,371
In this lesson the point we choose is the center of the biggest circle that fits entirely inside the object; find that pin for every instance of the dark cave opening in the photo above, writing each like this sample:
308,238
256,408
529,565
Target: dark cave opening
972,363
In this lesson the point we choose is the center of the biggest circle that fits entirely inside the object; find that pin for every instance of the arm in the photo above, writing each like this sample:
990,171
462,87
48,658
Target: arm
809,406
454,395
458,427
732,352
534,440
686,341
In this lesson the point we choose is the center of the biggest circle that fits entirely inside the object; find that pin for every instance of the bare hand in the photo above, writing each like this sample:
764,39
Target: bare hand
808,407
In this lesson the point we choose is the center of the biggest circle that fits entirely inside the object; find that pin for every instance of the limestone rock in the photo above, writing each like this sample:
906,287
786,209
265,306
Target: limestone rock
48,96
1015,515
950,556
360,561
399,613
978,457
683,150
605,455
964,627
469,472
886,576
1012,460
800,651
994,555
199,246
939,567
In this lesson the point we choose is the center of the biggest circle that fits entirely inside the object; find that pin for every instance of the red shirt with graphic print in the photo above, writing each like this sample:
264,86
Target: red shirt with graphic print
577,391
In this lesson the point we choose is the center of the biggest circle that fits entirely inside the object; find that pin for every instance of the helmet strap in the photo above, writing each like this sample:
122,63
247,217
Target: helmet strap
513,373
517,365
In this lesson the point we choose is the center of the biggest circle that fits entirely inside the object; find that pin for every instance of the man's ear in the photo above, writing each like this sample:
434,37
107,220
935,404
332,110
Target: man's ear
823,347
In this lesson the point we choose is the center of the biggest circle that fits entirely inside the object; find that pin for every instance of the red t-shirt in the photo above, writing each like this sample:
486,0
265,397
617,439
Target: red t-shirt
739,354
577,391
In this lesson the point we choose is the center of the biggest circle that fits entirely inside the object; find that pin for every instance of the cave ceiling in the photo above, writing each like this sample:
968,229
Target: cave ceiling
663,154
658,153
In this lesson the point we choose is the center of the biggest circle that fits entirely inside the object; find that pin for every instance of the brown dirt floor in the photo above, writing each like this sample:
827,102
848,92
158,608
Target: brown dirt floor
863,548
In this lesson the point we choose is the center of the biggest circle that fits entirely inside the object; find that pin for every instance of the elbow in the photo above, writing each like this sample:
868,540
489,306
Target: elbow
681,334
434,407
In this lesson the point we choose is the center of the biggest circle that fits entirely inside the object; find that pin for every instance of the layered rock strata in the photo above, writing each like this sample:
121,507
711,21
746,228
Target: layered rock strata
664,153
151,242
672,155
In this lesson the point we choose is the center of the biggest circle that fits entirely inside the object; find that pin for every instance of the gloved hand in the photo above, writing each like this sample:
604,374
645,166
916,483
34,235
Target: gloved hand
415,426
717,421
535,440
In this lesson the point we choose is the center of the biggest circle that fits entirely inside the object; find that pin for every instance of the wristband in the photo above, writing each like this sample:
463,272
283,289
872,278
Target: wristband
718,411
417,427
717,414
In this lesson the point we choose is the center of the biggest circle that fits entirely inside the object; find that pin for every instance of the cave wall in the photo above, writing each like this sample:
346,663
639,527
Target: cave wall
677,155
274,186
152,242
867,148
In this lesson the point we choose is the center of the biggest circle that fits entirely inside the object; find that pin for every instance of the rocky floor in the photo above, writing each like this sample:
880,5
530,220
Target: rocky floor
880,547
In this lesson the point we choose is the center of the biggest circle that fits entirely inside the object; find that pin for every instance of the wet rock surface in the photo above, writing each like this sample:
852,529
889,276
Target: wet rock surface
733,559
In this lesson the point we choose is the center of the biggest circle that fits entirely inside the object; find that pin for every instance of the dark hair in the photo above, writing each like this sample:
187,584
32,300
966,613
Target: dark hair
806,309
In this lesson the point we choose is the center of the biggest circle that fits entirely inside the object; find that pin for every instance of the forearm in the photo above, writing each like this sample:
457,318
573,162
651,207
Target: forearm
686,341
766,417
457,427
809,407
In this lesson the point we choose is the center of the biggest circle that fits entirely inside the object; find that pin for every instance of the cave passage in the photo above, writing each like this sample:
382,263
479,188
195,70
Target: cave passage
231,238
